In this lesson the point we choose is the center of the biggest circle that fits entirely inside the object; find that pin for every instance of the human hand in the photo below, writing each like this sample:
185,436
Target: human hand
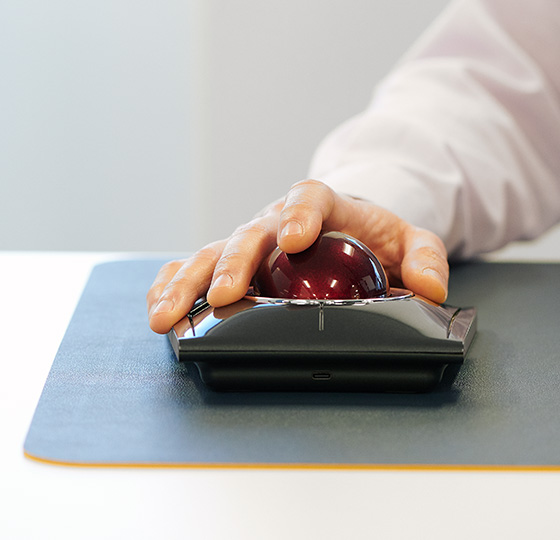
412,257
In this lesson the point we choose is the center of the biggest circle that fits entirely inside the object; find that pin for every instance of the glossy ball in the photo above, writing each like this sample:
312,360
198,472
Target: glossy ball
335,267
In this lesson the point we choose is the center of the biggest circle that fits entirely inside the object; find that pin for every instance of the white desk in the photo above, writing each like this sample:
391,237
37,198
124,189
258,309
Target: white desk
39,293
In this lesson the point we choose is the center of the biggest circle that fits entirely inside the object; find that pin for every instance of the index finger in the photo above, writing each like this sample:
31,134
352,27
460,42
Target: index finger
178,285
241,257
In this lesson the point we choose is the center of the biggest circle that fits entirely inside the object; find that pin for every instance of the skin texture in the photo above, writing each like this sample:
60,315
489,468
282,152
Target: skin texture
412,257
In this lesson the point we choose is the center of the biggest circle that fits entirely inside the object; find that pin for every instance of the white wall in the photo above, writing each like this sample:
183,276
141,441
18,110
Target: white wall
161,125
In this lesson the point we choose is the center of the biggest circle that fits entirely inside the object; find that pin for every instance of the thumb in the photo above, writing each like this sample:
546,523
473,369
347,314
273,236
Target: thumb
424,267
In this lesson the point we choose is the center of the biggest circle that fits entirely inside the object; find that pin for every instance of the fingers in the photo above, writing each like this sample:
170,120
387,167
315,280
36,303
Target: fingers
178,285
424,267
241,257
225,269
311,206
307,205
414,256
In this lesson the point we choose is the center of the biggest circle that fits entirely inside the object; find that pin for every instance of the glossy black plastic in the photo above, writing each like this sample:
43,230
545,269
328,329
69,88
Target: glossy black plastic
399,343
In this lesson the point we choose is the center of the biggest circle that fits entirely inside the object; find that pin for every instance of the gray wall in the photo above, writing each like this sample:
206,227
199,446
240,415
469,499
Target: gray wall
161,125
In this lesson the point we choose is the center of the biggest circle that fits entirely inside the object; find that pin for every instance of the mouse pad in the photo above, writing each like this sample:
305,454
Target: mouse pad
116,395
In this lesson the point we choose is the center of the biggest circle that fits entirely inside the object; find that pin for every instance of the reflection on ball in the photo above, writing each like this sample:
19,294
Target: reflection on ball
335,267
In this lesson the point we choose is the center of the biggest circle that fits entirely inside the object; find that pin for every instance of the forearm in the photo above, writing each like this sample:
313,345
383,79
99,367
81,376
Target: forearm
463,137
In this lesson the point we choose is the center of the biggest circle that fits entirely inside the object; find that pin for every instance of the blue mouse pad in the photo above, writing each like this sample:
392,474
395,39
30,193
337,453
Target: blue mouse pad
117,396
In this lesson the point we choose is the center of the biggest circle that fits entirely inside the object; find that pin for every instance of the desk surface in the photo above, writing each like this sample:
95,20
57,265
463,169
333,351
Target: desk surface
40,292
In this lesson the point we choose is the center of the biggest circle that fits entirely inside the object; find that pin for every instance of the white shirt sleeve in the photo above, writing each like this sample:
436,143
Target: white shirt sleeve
463,137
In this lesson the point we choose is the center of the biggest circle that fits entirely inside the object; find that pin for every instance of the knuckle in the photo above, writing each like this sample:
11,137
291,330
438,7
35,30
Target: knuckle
166,273
428,245
309,182
271,209
171,266
308,195
232,259
208,254
297,207
152,295
300,210
254,228
433,255
202,262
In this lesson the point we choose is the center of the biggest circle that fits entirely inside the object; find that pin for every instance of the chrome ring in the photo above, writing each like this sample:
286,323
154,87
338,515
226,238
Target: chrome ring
394,294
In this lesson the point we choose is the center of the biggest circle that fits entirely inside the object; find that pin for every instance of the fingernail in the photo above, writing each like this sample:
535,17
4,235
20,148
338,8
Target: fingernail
223,280
164,306
292,228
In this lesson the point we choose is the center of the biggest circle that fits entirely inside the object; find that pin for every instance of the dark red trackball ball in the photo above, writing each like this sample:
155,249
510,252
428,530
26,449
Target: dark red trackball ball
335,267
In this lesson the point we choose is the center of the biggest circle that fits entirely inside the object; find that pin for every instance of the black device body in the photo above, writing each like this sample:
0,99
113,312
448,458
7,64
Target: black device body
400,343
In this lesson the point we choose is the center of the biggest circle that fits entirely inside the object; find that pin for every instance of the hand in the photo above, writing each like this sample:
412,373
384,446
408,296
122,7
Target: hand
412,257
